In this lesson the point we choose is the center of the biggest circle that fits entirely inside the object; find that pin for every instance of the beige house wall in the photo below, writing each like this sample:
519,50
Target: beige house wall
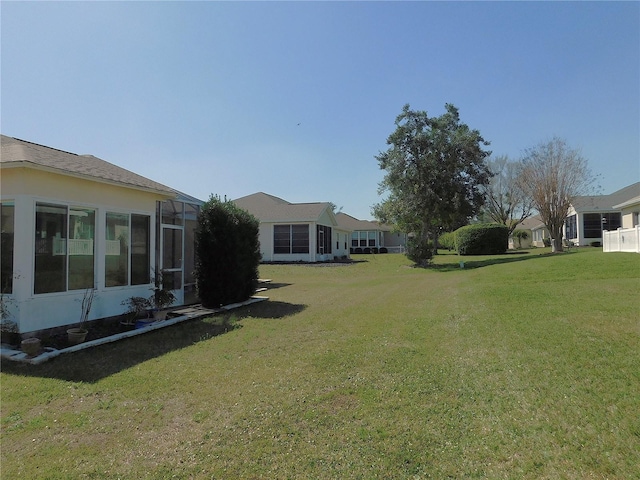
27,187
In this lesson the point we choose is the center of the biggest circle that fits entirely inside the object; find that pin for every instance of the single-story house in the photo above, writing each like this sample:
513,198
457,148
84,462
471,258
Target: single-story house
296,232
367,235
630,211
626,238
75,222
590,215
538,233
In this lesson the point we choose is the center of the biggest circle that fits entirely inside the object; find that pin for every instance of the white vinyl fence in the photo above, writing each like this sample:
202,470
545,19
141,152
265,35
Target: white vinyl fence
622,240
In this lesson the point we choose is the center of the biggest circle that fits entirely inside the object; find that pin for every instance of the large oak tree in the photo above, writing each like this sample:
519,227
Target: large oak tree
435,170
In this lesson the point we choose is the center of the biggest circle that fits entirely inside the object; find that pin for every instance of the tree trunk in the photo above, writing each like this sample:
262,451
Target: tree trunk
556,240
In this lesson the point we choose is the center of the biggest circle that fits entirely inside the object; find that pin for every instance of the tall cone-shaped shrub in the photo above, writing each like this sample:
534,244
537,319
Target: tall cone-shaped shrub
228,253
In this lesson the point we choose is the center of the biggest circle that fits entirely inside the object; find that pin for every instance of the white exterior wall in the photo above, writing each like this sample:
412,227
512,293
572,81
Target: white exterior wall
341,238
26,188
630,216
266,244
538,235
394,240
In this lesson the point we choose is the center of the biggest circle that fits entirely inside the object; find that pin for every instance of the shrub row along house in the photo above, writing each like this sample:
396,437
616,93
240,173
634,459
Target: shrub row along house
73,222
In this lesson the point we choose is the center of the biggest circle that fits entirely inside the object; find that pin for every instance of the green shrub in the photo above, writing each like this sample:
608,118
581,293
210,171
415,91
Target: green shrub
447,240
228,253
482,239
419,251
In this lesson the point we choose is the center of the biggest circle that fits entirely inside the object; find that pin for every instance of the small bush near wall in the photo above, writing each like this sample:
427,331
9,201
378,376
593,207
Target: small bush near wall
482,239
228,252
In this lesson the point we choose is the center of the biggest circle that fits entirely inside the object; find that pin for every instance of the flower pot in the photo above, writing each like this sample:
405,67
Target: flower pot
31,346
127,324
160,314
76,335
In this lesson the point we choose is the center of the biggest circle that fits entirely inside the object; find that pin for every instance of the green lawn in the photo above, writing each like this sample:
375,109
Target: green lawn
517,366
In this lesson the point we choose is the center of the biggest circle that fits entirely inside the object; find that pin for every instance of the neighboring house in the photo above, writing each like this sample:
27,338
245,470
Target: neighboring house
630,211
296,232
74,222
367,235
537,231
589,216
627,238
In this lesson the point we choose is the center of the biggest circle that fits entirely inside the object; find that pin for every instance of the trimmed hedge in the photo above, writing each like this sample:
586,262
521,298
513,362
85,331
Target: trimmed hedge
228,251
447,240
482,239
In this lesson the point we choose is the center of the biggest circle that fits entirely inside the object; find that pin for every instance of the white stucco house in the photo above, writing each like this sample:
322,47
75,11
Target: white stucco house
590,215
626,238
630,211
368,235
75,222
296,232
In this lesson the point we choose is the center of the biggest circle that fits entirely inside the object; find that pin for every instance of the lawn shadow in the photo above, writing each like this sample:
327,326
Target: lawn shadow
269,309
95,363
274,285
487,261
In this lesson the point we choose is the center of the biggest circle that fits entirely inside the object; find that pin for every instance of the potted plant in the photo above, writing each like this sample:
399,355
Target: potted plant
137,309
78,334
161,297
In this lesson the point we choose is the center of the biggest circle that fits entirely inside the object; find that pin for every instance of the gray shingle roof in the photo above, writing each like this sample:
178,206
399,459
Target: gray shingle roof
268,208
351,223
606,202
16,152
530,223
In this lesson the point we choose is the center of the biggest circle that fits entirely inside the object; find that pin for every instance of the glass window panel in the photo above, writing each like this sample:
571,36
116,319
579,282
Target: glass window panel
570,226
281,238
51,249
172,212
612,221
592,225
320,239
82,226
326,239
172,248
300,238
117,250
7,222
190,226
172,280
140,249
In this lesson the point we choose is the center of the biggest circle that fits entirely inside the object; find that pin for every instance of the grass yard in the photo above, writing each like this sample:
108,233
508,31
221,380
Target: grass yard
522,366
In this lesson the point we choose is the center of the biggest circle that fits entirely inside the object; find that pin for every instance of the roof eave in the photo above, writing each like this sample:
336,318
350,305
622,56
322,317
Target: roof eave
26,164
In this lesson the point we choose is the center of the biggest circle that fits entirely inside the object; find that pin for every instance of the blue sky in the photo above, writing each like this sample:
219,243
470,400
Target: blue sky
295,99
